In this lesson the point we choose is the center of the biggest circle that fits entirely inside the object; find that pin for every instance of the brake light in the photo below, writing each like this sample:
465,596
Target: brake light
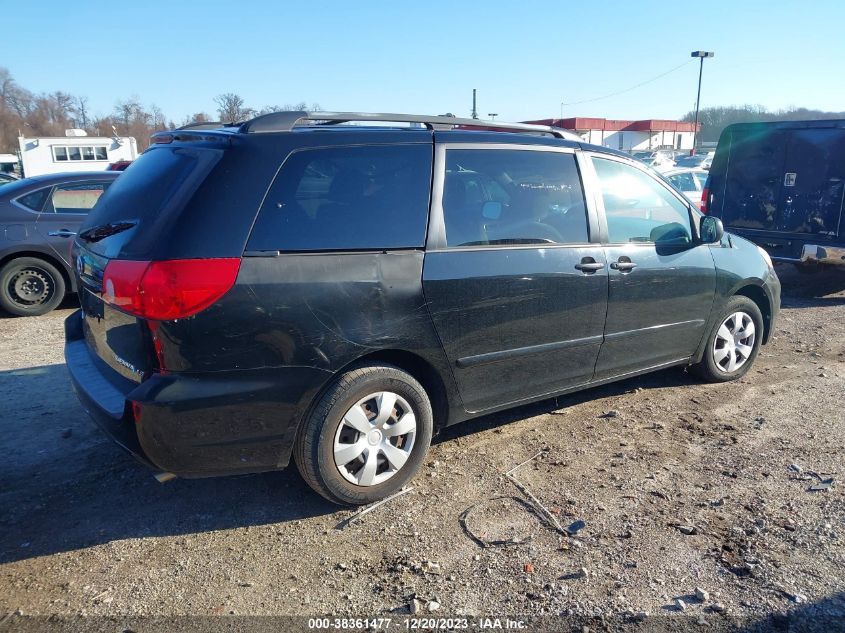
705,198
167,290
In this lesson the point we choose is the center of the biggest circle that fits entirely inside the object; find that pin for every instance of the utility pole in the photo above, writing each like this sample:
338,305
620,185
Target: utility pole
474,110
702,55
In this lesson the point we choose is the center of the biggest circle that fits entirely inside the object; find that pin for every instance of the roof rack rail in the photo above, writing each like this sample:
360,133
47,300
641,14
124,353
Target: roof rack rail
286,121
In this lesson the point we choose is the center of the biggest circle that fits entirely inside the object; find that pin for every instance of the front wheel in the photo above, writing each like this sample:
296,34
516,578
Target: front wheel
733,343
30,287
366,437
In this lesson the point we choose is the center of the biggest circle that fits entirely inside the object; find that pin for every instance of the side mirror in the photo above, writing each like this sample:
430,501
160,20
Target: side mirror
711,230
492,210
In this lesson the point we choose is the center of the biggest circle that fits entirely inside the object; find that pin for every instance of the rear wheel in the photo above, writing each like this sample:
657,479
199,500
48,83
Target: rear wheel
30,287
733,343
367,436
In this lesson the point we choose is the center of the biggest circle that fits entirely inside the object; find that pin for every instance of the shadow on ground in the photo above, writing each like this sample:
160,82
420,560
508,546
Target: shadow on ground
673,377
65,486
825,287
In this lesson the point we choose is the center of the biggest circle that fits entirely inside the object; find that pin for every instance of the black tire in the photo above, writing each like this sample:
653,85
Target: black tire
314,448
30,287
707,368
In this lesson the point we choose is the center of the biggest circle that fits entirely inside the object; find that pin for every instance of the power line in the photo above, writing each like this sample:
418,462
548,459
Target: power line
620,92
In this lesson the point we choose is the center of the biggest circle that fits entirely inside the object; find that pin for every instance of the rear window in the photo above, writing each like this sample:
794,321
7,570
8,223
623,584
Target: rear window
147,197
347,198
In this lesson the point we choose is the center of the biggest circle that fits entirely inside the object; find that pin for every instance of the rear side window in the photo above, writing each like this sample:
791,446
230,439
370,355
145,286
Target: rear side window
347,198
684,182
494,197
35,200
76,198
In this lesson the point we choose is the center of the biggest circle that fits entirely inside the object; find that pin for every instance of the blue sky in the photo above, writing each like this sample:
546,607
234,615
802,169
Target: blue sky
524,58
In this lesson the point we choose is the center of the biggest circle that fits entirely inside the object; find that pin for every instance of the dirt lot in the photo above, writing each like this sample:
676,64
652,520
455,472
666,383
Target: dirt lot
681,485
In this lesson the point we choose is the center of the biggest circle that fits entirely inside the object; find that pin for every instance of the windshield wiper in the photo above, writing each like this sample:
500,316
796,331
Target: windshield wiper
105,230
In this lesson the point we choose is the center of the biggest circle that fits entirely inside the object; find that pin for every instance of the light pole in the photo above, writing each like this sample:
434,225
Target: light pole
492,115
702,55
561,110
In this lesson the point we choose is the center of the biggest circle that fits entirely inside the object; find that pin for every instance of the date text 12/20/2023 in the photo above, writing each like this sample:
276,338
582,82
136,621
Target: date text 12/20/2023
419,624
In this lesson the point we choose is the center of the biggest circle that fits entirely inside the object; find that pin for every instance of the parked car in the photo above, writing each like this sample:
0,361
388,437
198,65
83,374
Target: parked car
661,160
689,182
337,294
781,185
6,177
696,161
38,218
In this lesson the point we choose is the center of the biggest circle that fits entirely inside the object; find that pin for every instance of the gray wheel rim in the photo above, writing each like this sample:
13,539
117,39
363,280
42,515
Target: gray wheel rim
375,439
734,342
30,287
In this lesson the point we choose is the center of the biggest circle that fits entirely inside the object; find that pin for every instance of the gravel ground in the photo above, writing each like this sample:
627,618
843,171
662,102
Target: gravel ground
695,500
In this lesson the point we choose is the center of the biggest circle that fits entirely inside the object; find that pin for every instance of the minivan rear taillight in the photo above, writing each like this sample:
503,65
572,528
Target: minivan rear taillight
167,290
705,198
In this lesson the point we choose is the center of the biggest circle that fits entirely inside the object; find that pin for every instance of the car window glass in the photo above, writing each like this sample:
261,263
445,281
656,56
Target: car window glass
701,179
76,198
504,197
347,198
35,200
684,182
638,208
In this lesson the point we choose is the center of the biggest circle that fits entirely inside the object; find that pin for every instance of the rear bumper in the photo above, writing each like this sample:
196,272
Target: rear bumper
815,254
195,425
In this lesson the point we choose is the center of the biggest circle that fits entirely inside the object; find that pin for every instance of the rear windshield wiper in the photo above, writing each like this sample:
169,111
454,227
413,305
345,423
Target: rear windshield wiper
105,230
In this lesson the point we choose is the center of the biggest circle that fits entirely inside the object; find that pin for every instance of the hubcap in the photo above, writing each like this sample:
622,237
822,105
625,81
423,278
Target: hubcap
734,342
375,439
30,287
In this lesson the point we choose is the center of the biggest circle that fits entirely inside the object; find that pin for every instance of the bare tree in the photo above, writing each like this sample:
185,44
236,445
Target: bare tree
230,108
288,107
80,109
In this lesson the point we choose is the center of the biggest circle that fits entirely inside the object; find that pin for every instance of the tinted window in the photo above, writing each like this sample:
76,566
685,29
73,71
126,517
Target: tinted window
341,198
77,198
501,197
160,183
639,208
35,200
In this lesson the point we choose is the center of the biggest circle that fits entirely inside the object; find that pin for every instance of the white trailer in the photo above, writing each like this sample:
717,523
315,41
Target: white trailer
73,152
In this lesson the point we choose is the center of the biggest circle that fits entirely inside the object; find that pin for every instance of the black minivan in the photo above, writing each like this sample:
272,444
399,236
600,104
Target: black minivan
782,186
299,286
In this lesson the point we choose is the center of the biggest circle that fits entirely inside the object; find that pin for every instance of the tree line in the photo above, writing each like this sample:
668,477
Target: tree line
24,113
714,120
29,114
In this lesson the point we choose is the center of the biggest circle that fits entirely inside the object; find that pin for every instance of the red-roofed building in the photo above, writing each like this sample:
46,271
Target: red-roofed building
648,134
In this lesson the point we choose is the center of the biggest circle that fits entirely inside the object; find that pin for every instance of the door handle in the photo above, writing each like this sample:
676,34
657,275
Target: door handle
622,266
62,233
589,265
